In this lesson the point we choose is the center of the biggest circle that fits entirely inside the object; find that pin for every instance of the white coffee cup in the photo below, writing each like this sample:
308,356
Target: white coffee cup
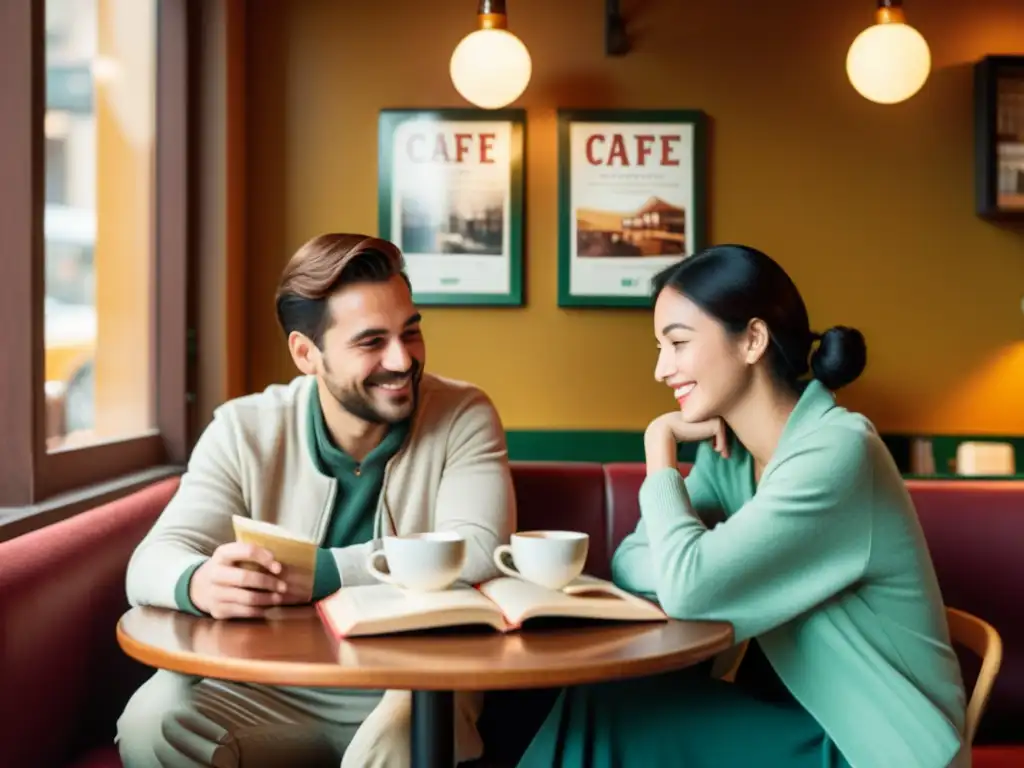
420,562
551,559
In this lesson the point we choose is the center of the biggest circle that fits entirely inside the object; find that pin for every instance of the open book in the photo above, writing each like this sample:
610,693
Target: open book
503,603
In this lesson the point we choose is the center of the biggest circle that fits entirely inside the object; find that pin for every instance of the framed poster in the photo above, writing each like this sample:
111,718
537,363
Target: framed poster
999,137
630,199
451,198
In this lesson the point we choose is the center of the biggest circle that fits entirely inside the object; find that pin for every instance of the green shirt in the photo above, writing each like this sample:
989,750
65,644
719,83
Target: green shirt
825,563
355,501
359,487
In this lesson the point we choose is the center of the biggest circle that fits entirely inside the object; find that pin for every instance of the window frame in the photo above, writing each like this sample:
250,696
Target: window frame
33,480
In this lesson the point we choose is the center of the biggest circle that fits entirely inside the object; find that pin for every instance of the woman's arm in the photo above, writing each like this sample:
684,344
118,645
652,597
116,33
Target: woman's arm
632,566
804,537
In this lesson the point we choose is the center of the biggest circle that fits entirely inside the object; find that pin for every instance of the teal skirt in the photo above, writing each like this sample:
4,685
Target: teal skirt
683,719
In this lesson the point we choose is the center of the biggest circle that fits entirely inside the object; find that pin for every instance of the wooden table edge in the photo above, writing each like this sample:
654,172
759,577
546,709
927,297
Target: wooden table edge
239,670
319,675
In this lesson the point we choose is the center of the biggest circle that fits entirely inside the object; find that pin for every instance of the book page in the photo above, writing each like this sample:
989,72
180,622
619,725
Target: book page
585,597
384,608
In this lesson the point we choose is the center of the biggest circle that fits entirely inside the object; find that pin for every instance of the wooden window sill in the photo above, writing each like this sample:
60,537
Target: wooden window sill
15,521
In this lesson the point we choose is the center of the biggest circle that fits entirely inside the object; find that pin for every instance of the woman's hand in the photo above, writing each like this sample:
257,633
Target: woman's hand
683,431
668,430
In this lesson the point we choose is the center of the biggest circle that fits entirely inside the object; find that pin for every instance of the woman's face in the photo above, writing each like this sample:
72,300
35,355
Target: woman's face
706,367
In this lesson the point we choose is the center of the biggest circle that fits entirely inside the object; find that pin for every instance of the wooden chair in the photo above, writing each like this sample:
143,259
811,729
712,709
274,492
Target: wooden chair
727,663
965,629
981,638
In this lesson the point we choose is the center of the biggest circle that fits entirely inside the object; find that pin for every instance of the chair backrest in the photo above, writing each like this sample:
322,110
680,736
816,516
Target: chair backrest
981,638
965,629
727,663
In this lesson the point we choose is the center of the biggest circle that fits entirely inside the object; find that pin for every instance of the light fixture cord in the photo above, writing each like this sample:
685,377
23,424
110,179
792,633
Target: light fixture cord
486,7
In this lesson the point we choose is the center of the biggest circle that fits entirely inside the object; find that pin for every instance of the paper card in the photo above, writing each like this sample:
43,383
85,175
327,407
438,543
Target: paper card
295,554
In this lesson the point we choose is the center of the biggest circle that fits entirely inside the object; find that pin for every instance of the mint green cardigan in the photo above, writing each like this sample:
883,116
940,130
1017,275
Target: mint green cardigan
825,563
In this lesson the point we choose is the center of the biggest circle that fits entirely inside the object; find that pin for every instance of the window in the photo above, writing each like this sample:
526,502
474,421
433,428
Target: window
94,157
101,106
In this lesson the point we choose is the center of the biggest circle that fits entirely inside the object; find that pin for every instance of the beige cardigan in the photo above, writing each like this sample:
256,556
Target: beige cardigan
451,474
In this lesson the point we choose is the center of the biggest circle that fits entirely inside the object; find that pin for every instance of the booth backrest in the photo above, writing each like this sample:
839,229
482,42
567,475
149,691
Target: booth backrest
63,677
975,532
64,680
565,496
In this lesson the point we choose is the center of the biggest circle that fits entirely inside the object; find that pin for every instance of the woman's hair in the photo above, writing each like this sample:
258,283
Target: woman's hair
323,266
736,283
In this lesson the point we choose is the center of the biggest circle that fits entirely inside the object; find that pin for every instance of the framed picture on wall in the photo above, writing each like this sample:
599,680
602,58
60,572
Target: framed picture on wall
999,137
630,199
451,197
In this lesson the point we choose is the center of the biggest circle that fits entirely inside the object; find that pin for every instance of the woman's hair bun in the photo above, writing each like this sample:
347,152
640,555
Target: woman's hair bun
840,357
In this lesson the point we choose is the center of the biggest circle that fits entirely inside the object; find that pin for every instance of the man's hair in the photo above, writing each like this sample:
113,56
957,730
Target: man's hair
325,265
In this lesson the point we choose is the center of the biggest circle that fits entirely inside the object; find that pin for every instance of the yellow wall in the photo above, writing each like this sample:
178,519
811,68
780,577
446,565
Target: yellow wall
870,208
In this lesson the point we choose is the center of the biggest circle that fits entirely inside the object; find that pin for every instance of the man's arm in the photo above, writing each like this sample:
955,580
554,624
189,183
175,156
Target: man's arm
803,538
632,564
475,497
195,522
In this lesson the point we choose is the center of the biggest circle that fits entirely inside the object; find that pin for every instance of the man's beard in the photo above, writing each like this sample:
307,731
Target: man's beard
358,402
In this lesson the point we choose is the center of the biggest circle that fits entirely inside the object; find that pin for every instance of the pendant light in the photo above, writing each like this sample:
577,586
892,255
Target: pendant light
889,61
490,67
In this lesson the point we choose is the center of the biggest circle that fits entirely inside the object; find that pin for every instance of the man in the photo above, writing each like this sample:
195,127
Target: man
363,444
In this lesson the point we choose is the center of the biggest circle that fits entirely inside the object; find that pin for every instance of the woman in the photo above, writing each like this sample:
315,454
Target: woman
820,561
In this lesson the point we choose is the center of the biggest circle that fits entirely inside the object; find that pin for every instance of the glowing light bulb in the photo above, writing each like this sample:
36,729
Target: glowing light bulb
491,67
889,61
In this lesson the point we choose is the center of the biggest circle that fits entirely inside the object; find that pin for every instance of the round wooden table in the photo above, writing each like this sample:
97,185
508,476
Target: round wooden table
293,648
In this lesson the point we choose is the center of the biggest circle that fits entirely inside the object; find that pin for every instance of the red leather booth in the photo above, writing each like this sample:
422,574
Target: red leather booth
64,680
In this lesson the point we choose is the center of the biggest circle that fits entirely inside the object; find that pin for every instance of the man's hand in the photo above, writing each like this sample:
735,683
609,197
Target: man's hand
225,589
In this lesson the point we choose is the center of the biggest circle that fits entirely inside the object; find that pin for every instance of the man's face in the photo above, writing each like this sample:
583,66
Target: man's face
373,351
